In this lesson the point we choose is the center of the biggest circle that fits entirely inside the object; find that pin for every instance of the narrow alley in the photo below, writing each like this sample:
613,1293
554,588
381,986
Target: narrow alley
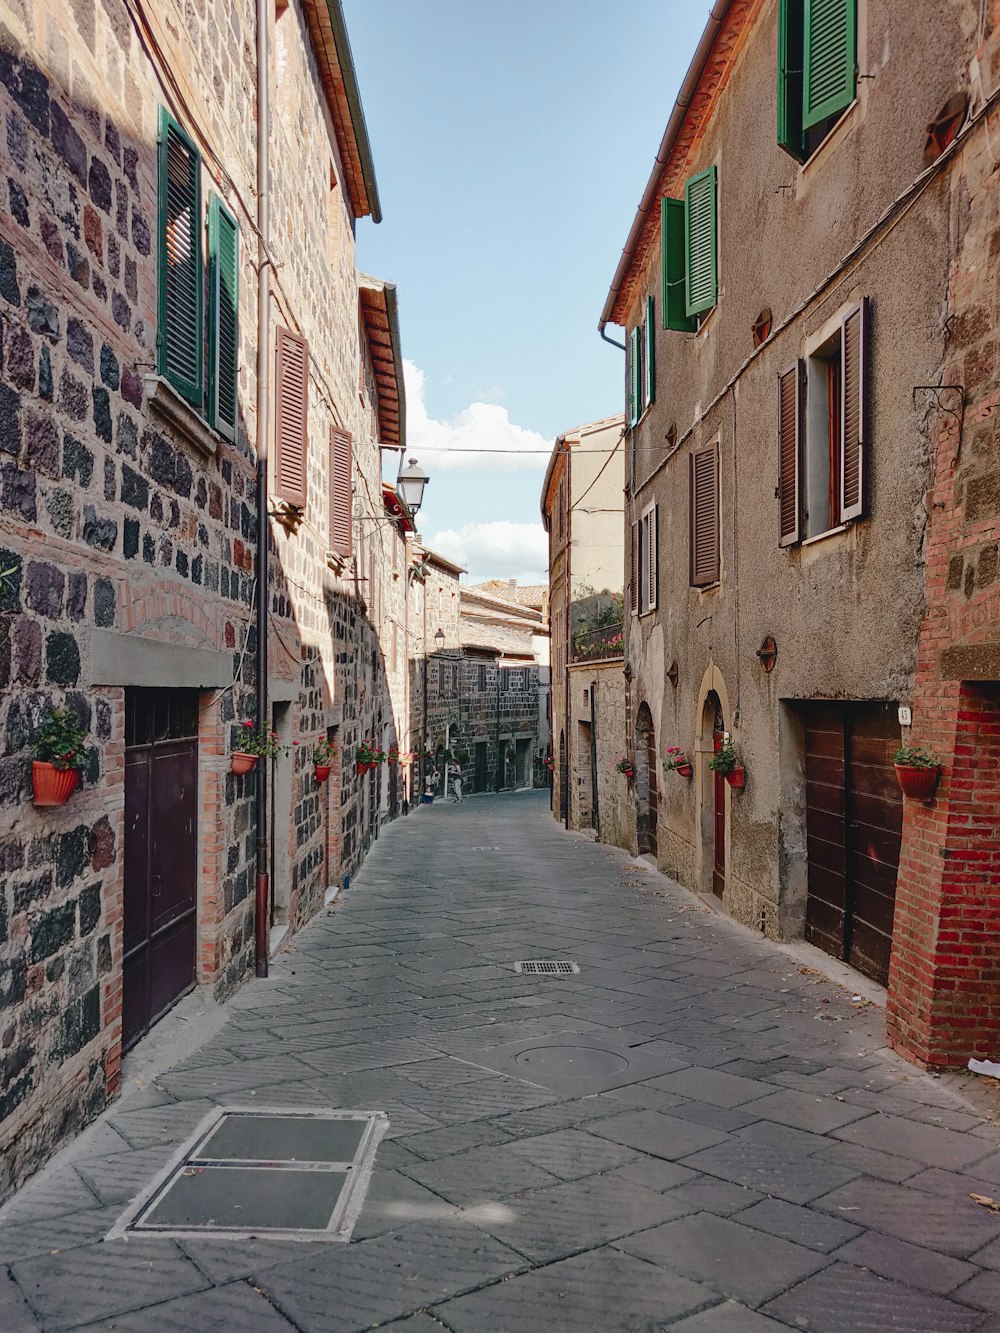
695,1130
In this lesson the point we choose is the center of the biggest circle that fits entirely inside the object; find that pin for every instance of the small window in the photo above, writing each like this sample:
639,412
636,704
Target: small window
481,676
586,698
821,432
704,517
817,70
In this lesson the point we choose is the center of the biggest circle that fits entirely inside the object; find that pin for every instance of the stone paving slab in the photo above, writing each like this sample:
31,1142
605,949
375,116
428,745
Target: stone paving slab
764,1169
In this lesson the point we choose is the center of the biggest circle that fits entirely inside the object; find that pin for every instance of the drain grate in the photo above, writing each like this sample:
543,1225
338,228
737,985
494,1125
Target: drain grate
547,967
288,1174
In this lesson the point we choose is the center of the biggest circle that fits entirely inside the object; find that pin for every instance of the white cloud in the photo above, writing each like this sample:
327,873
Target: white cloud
465,441
500,550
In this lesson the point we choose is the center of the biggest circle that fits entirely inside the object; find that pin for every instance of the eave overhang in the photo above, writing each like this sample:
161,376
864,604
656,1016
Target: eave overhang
380,314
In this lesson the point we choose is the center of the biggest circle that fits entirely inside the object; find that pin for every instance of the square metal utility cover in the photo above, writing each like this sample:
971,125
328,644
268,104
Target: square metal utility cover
547,967
286,1173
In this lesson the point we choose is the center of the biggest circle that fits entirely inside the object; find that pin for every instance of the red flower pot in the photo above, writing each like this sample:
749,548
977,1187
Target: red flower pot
919,784
685,770
363,768
51,785
322,772
737,777
241,762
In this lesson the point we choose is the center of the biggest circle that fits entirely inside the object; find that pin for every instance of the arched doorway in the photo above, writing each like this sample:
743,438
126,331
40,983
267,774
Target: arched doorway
646,787
714,726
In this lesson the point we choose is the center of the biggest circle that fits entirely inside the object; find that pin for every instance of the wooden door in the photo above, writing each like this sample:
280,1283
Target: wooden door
161,855
854,818
651,764
480,776
718,816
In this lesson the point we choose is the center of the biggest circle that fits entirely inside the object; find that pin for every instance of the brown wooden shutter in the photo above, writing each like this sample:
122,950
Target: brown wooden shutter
633,581
854,353
341,497
291,418
789,446
704,519
652,557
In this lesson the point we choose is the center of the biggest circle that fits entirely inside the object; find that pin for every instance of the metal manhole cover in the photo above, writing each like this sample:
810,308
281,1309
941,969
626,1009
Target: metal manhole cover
547,967
289,1174
571,1061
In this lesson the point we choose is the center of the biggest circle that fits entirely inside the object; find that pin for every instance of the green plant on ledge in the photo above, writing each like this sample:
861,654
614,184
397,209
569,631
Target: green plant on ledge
60,740
324,753
261,742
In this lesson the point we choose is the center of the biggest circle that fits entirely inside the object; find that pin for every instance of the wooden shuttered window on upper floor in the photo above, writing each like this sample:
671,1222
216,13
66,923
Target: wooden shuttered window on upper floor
701,241
180,296
633,577
704,517
341,468
789,454
829,40
634,387
649,353
673,297
649,546
223,318
853,462
790,55
291,418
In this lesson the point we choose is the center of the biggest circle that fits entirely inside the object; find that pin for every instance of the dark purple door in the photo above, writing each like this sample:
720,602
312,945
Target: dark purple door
161,855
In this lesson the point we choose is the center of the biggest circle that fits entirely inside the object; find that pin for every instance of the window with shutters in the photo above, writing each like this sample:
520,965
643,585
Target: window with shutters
689,253
634,569
291,418
822,434
341,469
704,517
223,318
180,283
817,70
649,560
641,357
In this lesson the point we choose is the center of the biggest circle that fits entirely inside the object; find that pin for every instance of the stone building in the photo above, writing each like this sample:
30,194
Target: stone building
139,349
807,295
504,685
582,510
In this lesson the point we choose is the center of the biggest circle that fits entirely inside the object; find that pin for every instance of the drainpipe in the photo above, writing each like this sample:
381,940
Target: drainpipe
613,341
262,888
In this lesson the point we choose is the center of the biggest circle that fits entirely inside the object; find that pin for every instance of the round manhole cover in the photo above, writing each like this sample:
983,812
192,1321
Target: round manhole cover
572,1061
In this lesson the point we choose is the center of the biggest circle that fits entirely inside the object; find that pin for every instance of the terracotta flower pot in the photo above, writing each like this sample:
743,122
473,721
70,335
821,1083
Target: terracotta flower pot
737,777
322,771
363,768
919,784
685,770
241,762
51,785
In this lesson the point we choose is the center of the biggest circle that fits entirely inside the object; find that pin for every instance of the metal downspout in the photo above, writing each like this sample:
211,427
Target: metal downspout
262,887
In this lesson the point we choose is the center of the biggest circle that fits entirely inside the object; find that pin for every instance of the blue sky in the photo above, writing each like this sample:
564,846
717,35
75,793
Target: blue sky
512,143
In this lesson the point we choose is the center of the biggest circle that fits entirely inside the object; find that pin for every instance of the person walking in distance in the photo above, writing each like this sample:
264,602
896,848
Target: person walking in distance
456,781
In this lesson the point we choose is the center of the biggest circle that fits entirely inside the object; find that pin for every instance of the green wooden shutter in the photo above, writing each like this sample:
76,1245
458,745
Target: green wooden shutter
649,360
701,241
223,317
180,320
674,300
633,377
790,64
830,64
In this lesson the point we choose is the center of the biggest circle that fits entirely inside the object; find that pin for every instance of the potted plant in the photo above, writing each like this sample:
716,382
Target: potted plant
323,756
624,765
366,756
254,743
406,758
917,771
59,756
447,756
724,761
676,761
550,763
393,756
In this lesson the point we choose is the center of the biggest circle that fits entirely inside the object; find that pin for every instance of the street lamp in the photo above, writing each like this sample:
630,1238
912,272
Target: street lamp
410,483
439,640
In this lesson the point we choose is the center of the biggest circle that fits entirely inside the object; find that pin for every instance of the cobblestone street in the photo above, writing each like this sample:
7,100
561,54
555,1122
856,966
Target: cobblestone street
696,1131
